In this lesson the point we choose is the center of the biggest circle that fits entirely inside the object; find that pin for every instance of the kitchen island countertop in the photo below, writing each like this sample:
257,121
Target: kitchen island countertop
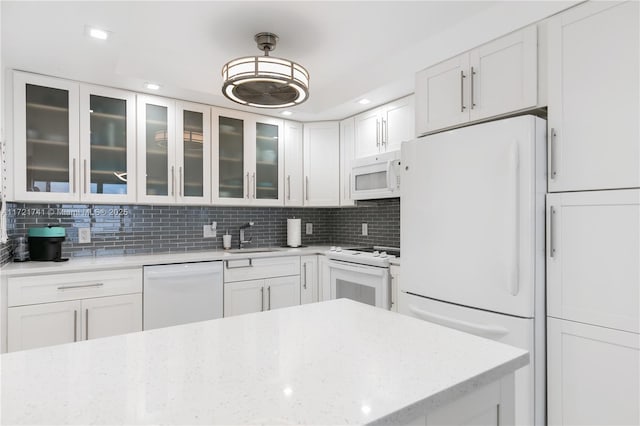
335,362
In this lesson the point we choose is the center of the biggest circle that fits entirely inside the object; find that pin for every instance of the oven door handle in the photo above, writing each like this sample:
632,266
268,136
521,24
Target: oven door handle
352,267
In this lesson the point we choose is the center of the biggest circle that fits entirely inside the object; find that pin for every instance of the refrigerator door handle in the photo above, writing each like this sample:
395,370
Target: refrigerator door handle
514,283
488,331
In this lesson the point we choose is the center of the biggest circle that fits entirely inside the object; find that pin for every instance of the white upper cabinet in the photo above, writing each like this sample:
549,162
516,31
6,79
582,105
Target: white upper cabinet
322,164
193,153
593,258
347,154
398,123
497,78
249,153
442,95
46,139
107,145
156,149
385,128
503,75
594,97
174,157
293,162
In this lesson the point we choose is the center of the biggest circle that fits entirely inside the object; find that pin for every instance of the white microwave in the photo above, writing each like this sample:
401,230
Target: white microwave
377,176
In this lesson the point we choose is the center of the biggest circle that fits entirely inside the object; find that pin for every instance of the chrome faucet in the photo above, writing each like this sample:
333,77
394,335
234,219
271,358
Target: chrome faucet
242,228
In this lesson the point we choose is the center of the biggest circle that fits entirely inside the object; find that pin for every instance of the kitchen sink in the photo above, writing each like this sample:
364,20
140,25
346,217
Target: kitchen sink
252,250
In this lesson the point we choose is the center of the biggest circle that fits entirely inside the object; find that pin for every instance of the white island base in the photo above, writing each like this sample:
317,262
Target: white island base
335,362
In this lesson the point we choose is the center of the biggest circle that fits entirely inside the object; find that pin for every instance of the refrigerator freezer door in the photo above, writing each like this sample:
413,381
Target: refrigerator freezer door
513,331
468,201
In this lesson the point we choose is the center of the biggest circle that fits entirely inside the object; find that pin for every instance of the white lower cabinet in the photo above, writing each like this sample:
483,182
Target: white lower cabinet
324,279
282,292
256,285
593,375
34,326
47,324
63,308
308,279
245,297
110,316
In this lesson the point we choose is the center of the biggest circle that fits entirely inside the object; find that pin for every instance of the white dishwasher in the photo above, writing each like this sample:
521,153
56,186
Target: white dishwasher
182,293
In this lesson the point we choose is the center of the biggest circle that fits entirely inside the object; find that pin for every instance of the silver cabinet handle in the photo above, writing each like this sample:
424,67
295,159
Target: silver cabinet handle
269,297
306,184
75,325
173,181
248,185
249,265
86,177
255,187
74,176
553,154
462,77
288,187
391,301
180,181
304,283
261,299
385,123
473,102
68,287
377,133
552,229
86,324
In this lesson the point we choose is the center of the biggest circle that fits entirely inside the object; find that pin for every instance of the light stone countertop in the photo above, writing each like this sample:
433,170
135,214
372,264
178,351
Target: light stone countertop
91,263
334,362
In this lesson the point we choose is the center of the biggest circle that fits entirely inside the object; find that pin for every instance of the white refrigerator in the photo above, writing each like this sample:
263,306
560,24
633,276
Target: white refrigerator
472,240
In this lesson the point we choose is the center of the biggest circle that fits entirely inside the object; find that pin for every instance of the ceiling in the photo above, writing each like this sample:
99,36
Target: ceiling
352,50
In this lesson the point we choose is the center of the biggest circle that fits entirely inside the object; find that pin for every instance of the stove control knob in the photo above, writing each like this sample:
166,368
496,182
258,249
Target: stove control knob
333,248
338,249
383,254
376,253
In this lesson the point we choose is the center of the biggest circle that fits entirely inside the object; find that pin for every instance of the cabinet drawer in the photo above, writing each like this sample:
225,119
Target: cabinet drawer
79,285
254,269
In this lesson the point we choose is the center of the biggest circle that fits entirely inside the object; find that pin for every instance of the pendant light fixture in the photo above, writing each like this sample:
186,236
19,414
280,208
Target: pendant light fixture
265,81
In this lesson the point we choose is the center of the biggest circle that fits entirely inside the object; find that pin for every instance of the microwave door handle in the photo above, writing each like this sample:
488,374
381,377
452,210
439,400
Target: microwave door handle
390,185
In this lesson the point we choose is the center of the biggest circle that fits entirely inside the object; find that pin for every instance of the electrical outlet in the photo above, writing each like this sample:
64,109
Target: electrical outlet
208,231
309,229
365,229
84,235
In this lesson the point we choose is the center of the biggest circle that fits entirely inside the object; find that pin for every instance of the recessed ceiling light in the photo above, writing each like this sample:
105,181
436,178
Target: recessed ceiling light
364,101
151,86
98,33
286,113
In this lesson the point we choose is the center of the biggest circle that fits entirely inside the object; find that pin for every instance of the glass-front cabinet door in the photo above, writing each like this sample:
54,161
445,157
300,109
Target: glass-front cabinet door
46,141
107,138
269,165
231,177
156,150
193,153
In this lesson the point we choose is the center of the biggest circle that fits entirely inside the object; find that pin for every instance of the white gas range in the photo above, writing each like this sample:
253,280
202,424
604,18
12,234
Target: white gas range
362,274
